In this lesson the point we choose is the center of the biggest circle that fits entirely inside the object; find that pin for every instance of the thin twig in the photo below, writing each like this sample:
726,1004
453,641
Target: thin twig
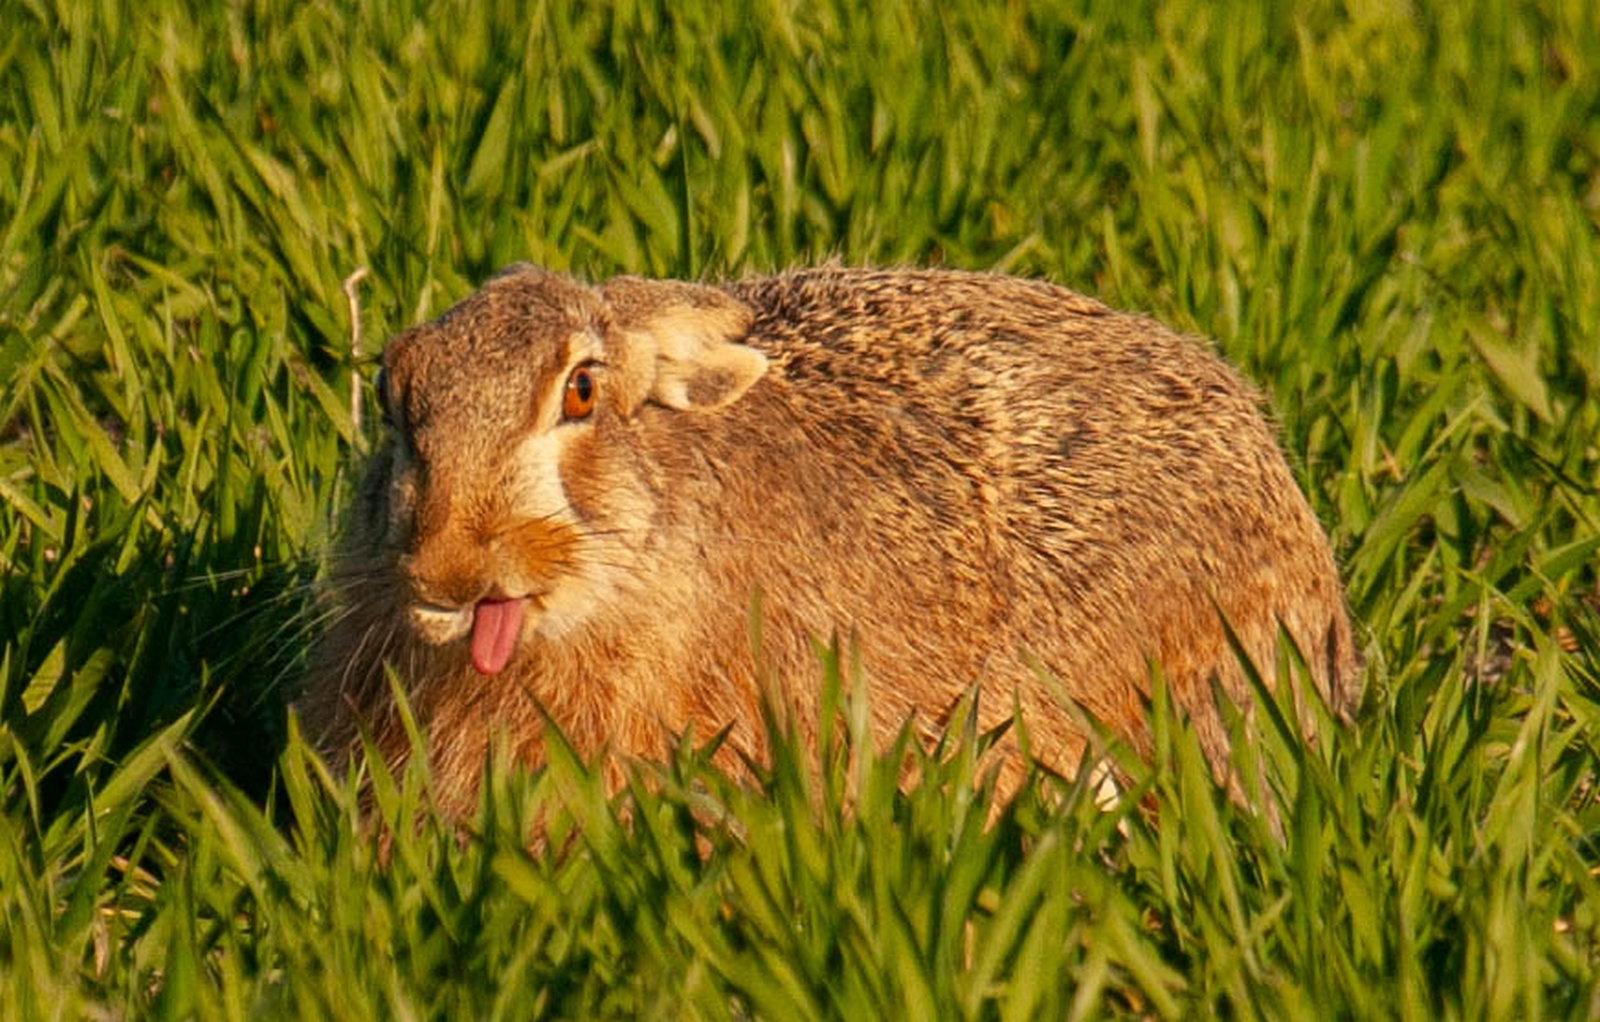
350,284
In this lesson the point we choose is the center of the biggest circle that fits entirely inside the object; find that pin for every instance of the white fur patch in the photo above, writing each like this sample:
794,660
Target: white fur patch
439,625
570,596
537,491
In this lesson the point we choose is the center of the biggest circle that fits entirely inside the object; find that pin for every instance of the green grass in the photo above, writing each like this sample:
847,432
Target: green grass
1388,214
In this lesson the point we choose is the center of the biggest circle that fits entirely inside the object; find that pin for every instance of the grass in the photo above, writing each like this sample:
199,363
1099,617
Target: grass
1388,214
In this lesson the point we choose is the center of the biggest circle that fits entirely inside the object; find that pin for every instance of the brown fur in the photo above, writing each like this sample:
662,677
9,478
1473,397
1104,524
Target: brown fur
971,472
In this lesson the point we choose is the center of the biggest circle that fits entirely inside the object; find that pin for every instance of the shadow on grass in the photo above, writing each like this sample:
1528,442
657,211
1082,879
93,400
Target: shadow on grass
116,645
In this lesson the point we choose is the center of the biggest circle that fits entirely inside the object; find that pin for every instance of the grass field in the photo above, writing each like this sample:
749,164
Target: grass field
1387,213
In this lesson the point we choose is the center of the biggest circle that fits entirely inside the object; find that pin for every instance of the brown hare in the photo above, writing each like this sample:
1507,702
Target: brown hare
581,487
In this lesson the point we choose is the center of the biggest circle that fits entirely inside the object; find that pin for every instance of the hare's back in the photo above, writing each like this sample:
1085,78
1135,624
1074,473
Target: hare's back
1014,378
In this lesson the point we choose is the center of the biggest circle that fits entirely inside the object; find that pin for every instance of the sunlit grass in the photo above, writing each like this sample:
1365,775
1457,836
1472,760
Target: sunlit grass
1388,215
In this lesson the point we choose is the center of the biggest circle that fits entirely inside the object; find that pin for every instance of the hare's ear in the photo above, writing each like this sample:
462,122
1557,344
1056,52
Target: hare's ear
693,335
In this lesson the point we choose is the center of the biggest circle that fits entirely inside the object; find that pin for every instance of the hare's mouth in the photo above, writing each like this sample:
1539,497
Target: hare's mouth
493,624
440,623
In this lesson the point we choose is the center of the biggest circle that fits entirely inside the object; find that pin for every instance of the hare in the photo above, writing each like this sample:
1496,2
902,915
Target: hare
990,481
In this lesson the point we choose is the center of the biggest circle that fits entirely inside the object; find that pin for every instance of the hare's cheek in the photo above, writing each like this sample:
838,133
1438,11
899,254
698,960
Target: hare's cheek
582,473
537,493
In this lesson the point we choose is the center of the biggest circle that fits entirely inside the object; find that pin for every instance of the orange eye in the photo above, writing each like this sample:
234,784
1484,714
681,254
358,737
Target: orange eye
582,389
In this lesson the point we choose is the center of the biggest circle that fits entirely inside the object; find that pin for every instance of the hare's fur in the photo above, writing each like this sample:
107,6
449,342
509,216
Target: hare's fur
976,475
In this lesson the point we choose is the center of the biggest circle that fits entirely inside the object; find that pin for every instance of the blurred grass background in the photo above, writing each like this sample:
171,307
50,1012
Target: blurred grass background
1385,212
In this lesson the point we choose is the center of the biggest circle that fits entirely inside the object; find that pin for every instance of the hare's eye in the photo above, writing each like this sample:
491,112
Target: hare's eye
582,389
380,384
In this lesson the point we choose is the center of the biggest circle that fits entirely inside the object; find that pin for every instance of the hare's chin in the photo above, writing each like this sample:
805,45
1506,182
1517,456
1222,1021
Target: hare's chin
438,625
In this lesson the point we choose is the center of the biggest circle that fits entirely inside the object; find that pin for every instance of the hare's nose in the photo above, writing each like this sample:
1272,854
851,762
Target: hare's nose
448,574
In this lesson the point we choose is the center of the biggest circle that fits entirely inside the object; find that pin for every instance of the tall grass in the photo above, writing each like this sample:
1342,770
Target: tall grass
1388,214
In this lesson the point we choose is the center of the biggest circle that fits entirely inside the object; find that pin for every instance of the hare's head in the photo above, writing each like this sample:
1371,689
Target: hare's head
508,496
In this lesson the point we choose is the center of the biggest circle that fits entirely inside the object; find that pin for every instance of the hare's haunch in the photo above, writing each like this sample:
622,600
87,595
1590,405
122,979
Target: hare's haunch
581,487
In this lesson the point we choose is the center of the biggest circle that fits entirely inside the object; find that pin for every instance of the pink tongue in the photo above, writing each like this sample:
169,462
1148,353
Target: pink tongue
495,627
